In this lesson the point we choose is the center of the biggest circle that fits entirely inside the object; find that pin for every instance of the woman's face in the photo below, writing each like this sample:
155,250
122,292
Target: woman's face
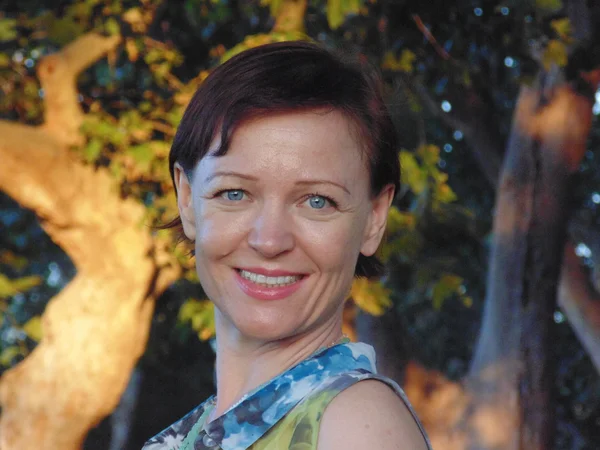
279,221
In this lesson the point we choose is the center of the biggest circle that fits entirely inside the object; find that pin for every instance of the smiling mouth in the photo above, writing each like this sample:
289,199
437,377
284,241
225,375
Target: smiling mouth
266,281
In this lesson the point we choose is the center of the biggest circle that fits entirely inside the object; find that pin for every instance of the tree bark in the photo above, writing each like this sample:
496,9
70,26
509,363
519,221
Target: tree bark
546,145
487,154
96,328
505,402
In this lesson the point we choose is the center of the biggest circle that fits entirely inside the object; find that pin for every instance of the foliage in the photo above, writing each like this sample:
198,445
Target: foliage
201,317
438,228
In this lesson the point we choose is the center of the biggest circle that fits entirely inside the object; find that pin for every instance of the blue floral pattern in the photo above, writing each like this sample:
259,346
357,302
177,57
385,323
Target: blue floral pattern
260,412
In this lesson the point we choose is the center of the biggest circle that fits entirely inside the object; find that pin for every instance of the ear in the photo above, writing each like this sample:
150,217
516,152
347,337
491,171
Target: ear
185,204
377,220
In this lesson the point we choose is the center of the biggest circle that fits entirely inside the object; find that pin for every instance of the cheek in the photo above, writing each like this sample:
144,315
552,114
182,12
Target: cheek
218,233
335,245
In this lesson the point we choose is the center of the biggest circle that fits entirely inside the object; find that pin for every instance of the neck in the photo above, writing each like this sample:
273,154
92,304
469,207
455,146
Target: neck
244,364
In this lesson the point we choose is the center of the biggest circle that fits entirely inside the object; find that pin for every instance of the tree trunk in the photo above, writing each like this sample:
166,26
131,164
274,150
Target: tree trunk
96,328
506,401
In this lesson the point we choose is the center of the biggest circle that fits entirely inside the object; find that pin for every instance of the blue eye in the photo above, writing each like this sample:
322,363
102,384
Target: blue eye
234,195
317,202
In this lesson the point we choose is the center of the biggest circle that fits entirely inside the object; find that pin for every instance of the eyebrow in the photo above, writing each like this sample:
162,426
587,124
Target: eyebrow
222,173
225,173
304,182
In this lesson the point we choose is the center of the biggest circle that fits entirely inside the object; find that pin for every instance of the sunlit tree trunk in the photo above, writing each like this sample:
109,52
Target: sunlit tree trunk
97,327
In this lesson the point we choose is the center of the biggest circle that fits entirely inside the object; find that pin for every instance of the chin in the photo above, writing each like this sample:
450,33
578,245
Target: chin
272,329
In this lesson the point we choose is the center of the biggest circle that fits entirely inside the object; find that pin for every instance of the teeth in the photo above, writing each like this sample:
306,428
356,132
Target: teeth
268,281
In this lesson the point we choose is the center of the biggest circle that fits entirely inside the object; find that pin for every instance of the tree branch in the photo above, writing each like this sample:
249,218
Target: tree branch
581,304
58,76
34,171
577,298
484,142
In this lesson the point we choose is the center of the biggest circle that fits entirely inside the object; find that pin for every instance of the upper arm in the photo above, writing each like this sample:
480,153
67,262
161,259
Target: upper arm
369,414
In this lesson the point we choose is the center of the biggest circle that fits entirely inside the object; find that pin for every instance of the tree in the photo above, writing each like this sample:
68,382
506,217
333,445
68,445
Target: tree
93,170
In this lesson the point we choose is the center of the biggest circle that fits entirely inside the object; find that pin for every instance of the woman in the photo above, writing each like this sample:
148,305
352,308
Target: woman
285,165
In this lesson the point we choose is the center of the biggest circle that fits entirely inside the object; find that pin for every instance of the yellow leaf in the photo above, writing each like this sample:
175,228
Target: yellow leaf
261,39
337,10
335,17
402,64
33,328
135,18
371,296
445,194
429,154
412,174
11,259
562,27
9,287
555,53
398,220
132,49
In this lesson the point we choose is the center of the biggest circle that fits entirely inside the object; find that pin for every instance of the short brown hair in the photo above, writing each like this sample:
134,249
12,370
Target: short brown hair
290,76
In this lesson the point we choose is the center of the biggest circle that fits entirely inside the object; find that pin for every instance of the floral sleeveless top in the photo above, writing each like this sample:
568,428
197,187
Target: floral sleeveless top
285,412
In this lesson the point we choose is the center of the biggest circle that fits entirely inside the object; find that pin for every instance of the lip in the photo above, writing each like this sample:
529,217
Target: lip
271,273
264,292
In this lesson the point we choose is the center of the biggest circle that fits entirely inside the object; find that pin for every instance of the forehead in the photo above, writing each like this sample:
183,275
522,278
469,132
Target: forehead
311,143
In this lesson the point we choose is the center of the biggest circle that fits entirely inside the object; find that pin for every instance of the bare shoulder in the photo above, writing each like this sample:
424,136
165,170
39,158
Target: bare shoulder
369,414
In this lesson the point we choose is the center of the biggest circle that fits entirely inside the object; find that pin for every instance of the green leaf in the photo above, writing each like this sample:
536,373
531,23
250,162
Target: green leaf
8,354
447,286
549,5
92,150
64,30
8,29
9,288
398,220
112,27
200,313
33,328
555,53
142,155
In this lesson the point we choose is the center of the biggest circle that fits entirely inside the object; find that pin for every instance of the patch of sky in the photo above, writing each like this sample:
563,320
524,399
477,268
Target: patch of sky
559,317
54,277
583,250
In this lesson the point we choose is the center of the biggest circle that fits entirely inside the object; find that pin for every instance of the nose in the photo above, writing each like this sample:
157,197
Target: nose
271,233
